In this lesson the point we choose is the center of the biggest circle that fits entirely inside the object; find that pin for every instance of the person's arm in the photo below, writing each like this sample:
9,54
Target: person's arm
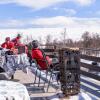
37,54
15,51
33,54
49,60
4,45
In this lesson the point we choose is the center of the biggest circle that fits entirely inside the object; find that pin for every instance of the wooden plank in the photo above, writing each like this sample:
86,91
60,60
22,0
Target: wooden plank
48,50
51,56
91,58
91,67
90,49
90,75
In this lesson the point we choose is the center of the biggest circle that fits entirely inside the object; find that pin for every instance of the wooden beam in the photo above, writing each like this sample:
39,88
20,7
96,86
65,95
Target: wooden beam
48,50
91,67
91,58
91,75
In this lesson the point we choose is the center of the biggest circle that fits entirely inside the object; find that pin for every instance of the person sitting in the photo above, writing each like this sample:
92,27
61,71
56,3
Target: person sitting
17,40
7,44
19,45
37,54
22,48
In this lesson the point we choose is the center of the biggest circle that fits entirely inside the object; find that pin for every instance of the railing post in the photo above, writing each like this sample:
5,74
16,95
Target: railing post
69,71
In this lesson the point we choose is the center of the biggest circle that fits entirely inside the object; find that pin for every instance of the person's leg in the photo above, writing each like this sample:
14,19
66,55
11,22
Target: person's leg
56,66
2,70
12,77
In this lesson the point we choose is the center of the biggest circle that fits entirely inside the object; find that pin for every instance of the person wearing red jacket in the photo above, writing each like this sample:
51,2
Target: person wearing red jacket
8,44
17,43
22,45
37,54
17,40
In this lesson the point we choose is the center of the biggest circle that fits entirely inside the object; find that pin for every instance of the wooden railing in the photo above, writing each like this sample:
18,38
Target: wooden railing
89,68
90,52
91,71
90,55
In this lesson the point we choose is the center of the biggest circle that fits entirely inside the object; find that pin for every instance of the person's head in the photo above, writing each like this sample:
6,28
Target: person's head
18,36
7,39
35,44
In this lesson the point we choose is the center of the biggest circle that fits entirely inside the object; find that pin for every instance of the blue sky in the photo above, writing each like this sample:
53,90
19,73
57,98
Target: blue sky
59,9
14,11
76,15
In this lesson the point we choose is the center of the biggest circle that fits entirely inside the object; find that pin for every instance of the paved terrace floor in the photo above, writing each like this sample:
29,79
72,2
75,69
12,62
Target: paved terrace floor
89,86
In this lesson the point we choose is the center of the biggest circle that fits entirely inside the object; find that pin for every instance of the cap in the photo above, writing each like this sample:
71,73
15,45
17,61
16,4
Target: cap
18,35
34,43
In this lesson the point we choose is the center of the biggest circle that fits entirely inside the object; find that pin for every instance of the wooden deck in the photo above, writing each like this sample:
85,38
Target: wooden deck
37,93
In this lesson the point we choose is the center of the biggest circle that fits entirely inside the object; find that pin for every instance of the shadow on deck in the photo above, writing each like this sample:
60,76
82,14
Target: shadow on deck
90,88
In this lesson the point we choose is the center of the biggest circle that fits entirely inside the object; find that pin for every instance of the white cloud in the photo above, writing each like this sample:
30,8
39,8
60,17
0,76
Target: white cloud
51,22
62,21
38,4
11,23
84,2
75,27
68,12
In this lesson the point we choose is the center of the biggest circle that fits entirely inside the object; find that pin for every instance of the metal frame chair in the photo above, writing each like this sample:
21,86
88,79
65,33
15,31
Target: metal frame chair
49,72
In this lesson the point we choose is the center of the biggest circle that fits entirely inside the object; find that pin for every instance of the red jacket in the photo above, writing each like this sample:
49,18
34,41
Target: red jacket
38,56
9,45
16,41
26,48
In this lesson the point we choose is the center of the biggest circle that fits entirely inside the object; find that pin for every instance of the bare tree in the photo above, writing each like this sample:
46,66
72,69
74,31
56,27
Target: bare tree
28,39
86,40
95,40
55,43
48,41
40,40
69,43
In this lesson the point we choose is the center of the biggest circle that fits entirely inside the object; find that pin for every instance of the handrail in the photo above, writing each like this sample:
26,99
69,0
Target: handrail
85,65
